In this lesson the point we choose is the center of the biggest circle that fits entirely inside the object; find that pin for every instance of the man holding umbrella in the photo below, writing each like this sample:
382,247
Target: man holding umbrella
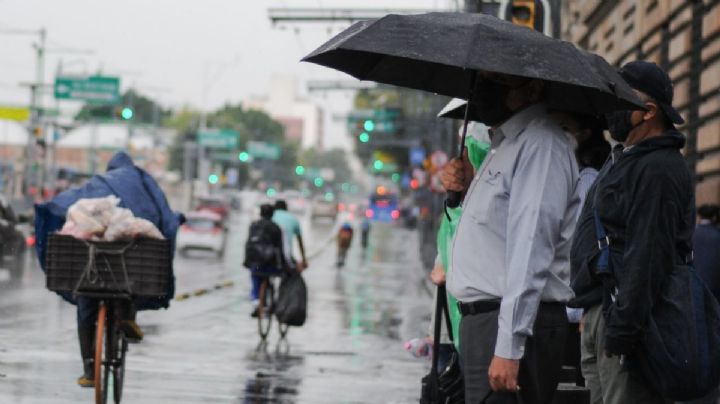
520,213
519,209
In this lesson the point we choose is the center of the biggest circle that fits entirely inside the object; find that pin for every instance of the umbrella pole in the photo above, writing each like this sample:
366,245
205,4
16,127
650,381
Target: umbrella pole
467,113
454,197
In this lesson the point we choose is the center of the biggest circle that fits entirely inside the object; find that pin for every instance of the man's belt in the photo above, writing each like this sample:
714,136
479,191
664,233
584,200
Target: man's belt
478,307
486,306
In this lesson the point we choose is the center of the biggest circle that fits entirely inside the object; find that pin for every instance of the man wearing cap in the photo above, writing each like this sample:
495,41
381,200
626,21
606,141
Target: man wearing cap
644,199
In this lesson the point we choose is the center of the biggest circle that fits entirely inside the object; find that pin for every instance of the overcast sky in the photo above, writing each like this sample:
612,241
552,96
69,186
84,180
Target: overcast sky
176,50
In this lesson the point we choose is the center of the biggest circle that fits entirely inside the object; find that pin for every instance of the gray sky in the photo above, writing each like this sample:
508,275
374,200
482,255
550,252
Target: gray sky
176,50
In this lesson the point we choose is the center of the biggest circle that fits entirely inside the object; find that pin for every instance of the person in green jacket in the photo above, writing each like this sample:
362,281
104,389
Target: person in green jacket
477,145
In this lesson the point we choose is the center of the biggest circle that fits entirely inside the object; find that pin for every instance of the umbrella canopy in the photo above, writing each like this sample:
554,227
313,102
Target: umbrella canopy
441,53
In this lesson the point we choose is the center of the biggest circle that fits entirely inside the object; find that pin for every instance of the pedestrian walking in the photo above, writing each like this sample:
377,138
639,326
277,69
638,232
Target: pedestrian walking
510,268
344,241
643,199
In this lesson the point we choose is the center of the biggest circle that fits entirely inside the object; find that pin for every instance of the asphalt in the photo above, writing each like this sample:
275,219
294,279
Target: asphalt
205,348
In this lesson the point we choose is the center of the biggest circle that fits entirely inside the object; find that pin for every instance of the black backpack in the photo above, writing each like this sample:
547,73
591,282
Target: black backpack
260,250
679,356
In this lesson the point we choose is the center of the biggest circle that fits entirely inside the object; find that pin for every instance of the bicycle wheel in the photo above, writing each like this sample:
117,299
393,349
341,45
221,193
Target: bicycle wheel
266,303
119,368
283,328
100,381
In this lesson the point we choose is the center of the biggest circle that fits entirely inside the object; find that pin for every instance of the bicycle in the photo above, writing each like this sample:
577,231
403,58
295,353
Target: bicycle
266,306
115,348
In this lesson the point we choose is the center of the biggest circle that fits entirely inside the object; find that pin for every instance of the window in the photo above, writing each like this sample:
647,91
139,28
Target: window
609,32
629,28
629,13
652,6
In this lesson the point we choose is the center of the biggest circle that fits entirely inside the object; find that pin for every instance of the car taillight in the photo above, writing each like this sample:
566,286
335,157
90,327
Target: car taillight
395,214
341,207
217,230
30,240
369,213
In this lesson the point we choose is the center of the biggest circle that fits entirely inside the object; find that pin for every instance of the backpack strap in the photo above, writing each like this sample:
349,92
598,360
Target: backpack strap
604,264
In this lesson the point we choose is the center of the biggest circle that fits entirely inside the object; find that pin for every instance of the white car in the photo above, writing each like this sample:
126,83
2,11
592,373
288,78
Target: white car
295,201
203,230
323,208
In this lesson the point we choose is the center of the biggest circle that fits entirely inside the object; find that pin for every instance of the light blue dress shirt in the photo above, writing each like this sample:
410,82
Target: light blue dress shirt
513,239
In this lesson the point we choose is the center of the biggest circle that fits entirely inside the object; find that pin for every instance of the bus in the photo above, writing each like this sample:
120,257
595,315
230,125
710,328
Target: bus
383,206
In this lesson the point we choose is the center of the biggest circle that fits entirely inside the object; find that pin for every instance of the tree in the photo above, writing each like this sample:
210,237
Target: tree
145,110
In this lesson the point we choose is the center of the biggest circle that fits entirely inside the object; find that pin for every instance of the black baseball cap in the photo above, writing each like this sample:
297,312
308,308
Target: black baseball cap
652,80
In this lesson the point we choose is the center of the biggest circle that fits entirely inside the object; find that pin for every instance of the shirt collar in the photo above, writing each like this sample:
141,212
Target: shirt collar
515,125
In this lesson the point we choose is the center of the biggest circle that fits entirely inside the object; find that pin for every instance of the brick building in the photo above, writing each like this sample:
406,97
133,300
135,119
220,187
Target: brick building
684,38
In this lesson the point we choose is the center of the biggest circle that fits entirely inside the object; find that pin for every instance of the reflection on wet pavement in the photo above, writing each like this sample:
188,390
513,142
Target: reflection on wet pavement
205,349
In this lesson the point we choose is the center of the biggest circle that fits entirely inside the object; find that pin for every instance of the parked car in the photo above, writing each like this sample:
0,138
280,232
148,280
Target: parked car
323,208
215,204
12,239
203,230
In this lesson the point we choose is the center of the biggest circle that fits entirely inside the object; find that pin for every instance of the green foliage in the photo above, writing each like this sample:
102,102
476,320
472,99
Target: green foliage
145,110
334,158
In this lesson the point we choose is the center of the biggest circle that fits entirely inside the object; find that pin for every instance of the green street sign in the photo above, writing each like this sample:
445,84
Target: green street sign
218,139
93,89
263,150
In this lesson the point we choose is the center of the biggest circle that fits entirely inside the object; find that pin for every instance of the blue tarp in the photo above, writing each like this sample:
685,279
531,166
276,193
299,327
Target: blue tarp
137,191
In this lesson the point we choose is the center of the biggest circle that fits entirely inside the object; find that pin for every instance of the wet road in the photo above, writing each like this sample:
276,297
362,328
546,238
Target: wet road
204,349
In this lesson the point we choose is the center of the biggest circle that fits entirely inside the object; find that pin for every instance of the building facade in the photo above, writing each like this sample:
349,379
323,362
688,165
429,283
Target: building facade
301,118
681,36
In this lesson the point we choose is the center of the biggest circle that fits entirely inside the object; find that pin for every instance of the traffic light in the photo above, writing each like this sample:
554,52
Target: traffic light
127,113
369,125
364,137
244,156
213,179
37,132
522,12
318,182
378,165
299,170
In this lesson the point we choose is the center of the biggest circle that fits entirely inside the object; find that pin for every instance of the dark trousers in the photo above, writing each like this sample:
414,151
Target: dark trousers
539,368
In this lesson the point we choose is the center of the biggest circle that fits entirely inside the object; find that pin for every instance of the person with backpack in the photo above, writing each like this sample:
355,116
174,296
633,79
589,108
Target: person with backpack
631,247
263,252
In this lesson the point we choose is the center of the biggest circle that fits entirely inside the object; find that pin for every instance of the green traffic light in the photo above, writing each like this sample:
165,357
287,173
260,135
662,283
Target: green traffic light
364,137
318,182
395,177
127,113
369,125
329,197
299,170
213,179
244,156
271,192
378,165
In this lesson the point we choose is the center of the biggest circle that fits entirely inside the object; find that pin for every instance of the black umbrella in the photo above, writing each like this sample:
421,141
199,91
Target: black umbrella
443,52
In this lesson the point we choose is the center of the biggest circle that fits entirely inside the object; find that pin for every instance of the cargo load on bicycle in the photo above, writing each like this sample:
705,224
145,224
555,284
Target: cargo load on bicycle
139,194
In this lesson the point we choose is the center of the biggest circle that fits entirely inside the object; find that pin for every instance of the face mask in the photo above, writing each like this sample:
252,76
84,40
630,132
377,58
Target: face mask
490,102
620,125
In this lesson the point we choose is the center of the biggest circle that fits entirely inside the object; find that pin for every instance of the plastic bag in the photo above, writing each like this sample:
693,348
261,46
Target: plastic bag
125,226
88,218
102,219
291,306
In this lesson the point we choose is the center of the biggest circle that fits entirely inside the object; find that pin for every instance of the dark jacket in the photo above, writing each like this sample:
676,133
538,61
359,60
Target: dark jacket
706,247
645,201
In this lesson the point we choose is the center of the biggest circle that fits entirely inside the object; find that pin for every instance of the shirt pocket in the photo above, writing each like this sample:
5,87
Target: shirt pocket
489,207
